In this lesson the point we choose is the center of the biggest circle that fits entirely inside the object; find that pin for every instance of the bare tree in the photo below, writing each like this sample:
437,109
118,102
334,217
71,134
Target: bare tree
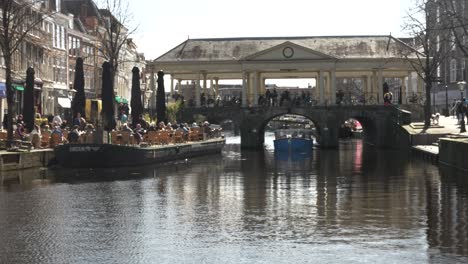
115,32
425,23
456,22
19,18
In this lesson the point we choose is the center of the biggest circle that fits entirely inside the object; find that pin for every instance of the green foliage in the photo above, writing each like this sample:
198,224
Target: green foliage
172,111
199,118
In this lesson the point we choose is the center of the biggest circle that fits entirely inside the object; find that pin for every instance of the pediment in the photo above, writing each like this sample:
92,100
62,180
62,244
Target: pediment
288,51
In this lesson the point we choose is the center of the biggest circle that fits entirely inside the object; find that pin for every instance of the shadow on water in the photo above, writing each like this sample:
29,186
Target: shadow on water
43,176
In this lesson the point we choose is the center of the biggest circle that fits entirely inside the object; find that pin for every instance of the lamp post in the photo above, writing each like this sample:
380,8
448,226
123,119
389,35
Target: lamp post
461,86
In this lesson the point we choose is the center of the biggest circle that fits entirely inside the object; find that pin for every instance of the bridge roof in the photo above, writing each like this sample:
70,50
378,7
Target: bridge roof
339,47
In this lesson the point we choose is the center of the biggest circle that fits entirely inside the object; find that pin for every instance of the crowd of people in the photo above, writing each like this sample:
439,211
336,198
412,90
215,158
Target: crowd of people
53,130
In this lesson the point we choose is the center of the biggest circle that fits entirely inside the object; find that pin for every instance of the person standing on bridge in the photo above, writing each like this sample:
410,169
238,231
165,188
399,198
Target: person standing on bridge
388,96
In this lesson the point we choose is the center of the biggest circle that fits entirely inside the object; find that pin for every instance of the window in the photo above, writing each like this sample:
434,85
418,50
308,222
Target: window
453,70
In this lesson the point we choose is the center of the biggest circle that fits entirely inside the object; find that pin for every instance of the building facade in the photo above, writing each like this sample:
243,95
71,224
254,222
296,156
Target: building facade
67,31
452,40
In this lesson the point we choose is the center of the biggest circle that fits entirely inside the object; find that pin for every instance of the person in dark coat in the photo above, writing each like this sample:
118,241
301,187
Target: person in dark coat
74,135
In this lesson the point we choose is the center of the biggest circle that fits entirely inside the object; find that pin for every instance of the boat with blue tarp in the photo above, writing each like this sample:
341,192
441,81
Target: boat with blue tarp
293,140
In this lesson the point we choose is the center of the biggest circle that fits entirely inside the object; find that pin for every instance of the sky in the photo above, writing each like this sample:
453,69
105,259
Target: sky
162,25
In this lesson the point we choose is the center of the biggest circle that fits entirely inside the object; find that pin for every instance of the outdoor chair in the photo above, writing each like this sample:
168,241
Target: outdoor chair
116,138
55,140
151,137
45,139
194,134
127,138
179,137
163,138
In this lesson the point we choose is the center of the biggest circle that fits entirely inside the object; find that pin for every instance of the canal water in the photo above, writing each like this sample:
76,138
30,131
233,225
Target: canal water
355,205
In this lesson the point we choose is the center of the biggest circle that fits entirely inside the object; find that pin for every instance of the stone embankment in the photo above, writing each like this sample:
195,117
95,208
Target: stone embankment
441,142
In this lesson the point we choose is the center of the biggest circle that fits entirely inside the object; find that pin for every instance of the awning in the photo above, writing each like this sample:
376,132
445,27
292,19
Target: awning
18,87
64,102
2,90
119,99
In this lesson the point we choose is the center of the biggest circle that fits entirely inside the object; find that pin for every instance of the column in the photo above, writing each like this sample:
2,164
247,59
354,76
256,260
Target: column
380,86
179,87
197,91
321,88
204,85
403,90
368,88
333,86
245,75
420,86
249,89
172,86
216,86
410,84
375,93
263,85
256,85
211,88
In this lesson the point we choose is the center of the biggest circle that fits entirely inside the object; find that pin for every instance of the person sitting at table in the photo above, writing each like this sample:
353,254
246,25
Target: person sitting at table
169,127
139,132
19,132
74,135
144,124
36,136
161,126
125,127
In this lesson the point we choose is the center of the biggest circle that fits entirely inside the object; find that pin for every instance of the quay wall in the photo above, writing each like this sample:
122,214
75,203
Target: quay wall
452,152
25,160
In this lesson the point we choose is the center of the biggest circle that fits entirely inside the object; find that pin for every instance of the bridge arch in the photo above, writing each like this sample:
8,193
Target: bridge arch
264,123
381,124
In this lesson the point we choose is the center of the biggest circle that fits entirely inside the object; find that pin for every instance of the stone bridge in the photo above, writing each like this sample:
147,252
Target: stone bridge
381,124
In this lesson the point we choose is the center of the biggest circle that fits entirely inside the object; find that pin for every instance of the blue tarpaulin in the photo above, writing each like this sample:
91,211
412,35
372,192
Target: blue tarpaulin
2,90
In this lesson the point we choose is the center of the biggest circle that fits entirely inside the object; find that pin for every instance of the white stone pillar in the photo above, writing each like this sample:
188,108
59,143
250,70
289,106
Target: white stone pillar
333,87
245,75
263,85
172,86
420,86
410,84
380,83
211,87
179,87
368,88
255,87
197,91
374,87
321,88
216,86
403,90
204,85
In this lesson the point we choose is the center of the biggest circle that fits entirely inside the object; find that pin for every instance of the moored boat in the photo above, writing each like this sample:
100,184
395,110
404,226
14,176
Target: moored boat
293,140
109,155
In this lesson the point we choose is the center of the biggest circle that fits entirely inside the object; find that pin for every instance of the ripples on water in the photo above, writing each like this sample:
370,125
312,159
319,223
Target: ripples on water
356,205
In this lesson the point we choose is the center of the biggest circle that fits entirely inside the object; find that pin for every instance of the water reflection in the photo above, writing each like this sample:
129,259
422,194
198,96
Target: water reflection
356,204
